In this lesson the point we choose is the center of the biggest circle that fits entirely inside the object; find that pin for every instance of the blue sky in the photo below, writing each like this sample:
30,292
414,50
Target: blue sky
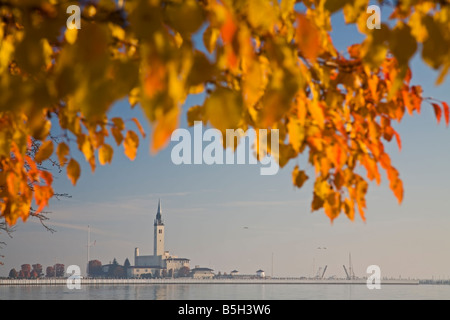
206,208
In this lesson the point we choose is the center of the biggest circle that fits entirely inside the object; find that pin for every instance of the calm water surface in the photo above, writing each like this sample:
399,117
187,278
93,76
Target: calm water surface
225,292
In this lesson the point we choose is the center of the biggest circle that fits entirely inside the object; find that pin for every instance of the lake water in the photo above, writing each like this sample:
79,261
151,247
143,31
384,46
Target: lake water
226,292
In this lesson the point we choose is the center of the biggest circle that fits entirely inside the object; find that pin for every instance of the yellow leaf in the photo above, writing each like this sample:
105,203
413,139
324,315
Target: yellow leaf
6,50
210,37
223,109
402,44
261,14
374,49
434,49
86,147
131,144
185,16
195,113
418,30
62,151
287,7
116,31
316,111
71,35
296,134
105,154
202,70
45,151
254,82
73,171
134,96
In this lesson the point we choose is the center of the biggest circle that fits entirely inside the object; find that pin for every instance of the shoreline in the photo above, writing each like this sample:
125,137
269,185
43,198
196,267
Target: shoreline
59,282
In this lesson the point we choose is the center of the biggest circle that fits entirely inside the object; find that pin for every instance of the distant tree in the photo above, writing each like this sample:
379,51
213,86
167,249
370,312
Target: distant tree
116,271
50,272
38,269
95,268
26,271
127,263
164,273
146,276
21,275
13,274
34,274
59,270
184,272
115,262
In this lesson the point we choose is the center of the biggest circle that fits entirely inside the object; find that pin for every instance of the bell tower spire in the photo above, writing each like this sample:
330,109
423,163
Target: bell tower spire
158,214
158,233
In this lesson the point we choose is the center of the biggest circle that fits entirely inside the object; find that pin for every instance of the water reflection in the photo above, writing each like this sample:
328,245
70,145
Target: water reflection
223,292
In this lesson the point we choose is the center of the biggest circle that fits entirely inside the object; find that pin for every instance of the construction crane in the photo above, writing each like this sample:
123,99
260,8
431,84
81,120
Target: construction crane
350,267
345,269
318,273
323,274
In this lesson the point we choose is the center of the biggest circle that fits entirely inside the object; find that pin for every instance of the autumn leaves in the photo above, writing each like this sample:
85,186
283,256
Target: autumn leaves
261,64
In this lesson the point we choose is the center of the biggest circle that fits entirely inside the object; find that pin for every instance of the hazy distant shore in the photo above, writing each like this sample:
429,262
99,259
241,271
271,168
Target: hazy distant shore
30,282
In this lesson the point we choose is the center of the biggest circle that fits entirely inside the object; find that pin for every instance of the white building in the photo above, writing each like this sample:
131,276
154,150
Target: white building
202,273
161,262
260,273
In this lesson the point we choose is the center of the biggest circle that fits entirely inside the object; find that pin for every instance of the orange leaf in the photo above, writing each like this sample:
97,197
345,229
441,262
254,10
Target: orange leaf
398,190
308,37
399,141
73,171
317,112
385,161
407,101
118,123
163,130
349,209
228,29
155,78
32,164
446,112
396,184
42,195
12,184
138,124
47,176
437,112
131,144
45,151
